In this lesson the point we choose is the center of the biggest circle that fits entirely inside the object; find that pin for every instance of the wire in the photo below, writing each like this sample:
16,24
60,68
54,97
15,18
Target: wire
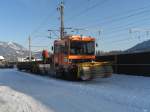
129,26
87,10
133,12
46,19
126,39
114,28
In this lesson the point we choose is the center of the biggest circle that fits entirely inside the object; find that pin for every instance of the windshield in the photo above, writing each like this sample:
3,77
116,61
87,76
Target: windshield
82,48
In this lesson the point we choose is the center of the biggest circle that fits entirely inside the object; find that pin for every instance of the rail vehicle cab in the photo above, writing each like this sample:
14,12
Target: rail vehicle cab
74,49
74,57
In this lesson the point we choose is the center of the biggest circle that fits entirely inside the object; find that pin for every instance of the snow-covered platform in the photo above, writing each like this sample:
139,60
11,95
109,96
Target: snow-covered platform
120,93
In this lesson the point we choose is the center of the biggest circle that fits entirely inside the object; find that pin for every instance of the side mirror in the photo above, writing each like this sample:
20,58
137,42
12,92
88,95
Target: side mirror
96,45
52,48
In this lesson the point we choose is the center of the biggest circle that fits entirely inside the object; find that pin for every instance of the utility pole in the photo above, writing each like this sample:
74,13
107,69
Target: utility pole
61,9
29,48
139,30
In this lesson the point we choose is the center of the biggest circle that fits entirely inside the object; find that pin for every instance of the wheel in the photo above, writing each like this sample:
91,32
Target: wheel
59,73
71,74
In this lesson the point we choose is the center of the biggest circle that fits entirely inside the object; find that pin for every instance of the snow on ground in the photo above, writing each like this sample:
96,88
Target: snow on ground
120,93
12,101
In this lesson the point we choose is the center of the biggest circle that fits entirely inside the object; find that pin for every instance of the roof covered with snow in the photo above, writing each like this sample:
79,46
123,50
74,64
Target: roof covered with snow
2,58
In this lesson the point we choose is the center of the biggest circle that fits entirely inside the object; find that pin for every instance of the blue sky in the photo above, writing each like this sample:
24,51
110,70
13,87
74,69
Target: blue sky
114,18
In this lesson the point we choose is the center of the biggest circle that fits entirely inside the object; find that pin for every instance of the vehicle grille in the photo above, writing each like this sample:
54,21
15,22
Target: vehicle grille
98,71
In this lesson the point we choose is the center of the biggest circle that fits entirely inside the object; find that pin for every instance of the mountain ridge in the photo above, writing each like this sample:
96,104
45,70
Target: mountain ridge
12,50
140,47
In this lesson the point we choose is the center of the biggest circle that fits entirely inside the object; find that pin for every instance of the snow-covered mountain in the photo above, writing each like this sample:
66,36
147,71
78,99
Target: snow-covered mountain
141,47
12,50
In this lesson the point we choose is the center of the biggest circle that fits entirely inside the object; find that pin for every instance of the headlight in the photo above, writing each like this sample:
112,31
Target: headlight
85,68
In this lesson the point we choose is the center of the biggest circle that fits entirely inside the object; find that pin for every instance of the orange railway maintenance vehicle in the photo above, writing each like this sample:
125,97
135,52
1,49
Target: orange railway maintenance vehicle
73,58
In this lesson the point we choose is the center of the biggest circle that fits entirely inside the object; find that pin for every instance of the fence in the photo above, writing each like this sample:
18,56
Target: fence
133,63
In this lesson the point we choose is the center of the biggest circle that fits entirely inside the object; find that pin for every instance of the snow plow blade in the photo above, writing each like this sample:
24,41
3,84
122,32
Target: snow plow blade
90,70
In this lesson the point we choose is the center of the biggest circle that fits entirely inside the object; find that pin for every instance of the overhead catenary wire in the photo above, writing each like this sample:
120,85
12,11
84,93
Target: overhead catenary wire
130,15
133,14
123,29
119,18
122,40
114,15
127,27
86,10
129,24
44,22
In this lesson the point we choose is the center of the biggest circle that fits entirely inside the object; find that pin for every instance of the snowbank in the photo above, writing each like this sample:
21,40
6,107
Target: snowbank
12,101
